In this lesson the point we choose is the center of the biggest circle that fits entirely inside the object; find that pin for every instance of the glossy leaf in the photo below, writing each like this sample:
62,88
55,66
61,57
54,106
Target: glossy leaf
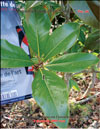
73,62
37,25
91,16
93,41
95,7
50,92
13,56
62,39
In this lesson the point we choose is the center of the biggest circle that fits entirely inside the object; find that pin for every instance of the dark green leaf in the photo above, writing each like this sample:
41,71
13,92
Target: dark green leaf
50,92
73,62
37,25
93,41
92,7
62,39
76,48
13,56
82,36
95,7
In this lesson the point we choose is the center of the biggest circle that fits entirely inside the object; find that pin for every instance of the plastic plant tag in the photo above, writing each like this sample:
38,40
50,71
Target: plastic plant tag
15,82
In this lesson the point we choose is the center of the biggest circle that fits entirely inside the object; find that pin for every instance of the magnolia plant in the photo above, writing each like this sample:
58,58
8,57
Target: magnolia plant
47,55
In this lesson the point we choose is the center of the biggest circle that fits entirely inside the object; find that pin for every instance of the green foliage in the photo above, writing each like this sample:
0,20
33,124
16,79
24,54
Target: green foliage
62,39
92,17
80,44
37,25
49,90
93,41
74,85
53,9
82,36
13,56
73,62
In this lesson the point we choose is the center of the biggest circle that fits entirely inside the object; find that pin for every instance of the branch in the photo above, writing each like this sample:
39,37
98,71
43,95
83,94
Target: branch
87,99
91,85
67,77
66,10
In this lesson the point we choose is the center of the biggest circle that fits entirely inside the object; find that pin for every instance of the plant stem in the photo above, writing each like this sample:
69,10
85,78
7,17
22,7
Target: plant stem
91,85
67,77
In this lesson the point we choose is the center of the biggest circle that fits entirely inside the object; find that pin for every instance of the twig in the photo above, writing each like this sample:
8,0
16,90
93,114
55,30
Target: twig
87,99
87,71
67,77
66,10
91,85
